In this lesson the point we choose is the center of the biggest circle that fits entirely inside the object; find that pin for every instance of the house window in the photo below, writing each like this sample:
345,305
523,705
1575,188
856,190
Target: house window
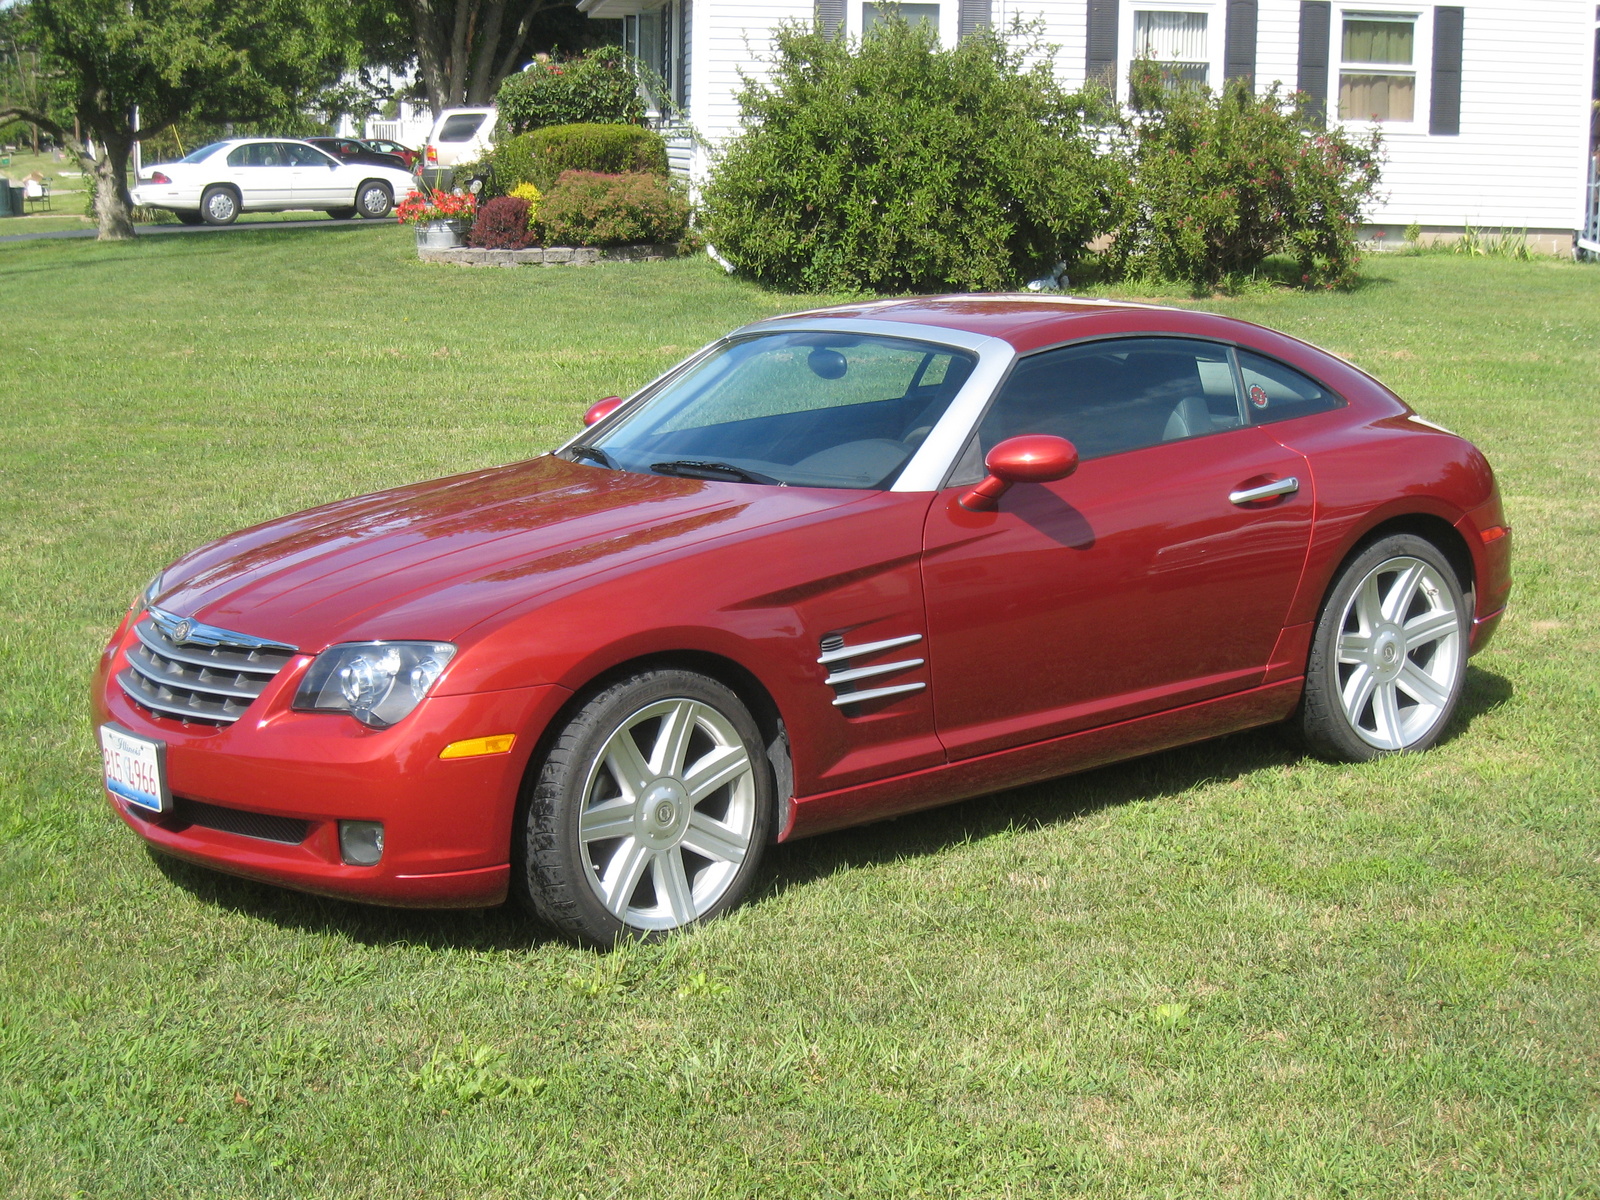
1176,42
912,14
1377,67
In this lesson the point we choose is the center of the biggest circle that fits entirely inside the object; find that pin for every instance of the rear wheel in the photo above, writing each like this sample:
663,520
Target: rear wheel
1389,656
374,199
219,206
649,814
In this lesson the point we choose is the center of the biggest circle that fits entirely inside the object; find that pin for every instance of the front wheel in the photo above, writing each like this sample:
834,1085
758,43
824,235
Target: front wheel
649,813
373,199
1389,655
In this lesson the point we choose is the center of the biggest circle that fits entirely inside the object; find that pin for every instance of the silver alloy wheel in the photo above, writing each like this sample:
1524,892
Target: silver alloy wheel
374,200
668,813
1399,652
221,206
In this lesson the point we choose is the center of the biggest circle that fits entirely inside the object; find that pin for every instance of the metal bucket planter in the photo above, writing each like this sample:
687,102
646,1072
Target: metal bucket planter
443,235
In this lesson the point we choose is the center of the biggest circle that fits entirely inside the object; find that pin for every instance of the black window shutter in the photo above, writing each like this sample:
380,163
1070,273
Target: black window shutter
1444,111
1315,18
830,16
1100,65
972,16
1239,57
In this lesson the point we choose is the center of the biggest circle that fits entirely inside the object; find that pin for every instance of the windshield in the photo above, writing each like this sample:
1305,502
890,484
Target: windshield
201,154
805,409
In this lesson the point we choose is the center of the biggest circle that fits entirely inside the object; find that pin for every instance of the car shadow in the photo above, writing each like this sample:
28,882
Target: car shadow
796,864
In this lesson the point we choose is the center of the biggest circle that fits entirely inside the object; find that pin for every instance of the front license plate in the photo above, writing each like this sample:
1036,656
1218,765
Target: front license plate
136,768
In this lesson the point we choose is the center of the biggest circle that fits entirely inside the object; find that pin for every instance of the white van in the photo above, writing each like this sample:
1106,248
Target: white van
459,135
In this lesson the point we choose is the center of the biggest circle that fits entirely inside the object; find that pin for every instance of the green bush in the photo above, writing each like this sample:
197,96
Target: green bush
540,156
600,87
585,208
1221,182
890,164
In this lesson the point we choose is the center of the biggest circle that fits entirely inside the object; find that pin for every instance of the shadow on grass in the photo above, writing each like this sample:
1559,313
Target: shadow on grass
796,864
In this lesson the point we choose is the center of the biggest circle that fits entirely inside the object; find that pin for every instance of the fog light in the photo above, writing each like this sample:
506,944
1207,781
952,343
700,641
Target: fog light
361,842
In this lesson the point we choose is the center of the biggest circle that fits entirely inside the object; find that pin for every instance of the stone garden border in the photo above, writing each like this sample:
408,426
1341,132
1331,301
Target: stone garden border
551,256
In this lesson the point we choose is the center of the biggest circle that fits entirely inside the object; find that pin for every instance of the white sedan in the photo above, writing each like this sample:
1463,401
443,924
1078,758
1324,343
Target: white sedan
216,183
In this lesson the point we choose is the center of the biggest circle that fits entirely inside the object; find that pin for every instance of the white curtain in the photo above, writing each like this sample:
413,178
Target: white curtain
1170,36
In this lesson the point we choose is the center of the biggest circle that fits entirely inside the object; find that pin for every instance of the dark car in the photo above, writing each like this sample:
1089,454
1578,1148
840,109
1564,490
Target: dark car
350,150
386,146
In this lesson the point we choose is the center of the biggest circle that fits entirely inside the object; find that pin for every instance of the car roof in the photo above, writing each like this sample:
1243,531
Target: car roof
1028,320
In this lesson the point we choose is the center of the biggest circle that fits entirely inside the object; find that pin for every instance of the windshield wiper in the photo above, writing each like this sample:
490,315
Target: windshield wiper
593,454
697,468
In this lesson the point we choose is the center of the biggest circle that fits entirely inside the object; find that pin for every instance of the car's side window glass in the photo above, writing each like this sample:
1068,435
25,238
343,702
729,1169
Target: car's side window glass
1112,396
248,155
1275,392
307,156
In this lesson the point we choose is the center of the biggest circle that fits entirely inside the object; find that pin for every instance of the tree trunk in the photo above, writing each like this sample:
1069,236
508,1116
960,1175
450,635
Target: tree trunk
481,85
424,34
113,207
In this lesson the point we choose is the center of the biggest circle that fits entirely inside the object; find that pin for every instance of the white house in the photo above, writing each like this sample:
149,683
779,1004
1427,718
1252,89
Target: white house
1486,105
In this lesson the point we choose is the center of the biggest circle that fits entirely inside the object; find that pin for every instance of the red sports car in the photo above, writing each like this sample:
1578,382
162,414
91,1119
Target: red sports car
836,566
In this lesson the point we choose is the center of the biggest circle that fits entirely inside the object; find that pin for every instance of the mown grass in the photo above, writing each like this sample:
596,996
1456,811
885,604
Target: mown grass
1225,970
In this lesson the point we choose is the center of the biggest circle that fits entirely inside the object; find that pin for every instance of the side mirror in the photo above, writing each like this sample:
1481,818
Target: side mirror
1031,458
602,410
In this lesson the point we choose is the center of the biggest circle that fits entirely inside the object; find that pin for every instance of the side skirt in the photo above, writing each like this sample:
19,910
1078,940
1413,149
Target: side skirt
952,782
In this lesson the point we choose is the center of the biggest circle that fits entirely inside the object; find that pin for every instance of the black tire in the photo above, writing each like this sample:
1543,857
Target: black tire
562,861
342,214
1388,710
219,205
188,216
374,199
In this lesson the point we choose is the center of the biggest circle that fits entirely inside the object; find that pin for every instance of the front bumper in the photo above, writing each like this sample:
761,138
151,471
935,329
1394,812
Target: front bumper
447,823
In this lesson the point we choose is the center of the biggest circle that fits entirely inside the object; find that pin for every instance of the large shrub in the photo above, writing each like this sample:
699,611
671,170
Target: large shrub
1221,182
600,86
890,164
586,208
540,156
502,224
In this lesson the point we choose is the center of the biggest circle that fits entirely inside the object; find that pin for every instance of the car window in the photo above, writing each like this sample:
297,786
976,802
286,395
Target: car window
306,156
203,153
1277,393
1108,397
460,127
809,409
251,154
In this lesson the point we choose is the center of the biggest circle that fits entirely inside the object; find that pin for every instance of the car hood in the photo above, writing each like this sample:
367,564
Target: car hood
431,560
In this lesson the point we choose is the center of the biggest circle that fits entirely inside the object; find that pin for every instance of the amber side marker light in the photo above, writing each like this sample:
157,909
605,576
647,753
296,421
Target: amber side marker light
500,743
1494,533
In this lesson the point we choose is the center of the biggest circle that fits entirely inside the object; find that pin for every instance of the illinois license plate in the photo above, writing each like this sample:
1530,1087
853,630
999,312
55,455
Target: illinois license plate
136,768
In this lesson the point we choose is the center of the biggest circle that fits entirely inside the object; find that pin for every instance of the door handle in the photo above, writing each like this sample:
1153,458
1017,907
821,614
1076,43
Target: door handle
1278,487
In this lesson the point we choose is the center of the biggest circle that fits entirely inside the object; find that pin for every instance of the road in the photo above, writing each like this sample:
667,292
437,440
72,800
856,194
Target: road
142,230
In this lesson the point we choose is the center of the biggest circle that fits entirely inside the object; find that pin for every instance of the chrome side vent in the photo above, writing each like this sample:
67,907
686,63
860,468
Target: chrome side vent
184,669
844,681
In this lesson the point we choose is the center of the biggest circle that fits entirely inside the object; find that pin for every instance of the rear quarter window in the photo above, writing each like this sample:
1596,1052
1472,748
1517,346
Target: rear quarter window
1274,392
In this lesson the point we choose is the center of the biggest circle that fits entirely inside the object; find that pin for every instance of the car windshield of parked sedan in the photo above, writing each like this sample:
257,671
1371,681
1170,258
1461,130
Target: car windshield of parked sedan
803,409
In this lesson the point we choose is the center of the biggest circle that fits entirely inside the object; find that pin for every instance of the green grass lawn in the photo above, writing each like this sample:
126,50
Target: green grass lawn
1224,970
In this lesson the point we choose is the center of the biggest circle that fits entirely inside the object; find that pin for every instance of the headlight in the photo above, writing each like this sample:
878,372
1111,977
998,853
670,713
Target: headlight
377,683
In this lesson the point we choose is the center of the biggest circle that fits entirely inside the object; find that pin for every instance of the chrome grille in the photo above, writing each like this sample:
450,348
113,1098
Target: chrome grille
844,681
196,672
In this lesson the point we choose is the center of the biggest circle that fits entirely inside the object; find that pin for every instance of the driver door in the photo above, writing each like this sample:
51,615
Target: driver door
1135,584
318,178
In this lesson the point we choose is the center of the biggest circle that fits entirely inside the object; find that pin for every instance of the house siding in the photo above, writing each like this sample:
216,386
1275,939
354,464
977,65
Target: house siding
1519,161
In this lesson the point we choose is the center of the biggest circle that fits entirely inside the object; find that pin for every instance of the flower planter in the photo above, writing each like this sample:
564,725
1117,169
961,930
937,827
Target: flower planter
443,235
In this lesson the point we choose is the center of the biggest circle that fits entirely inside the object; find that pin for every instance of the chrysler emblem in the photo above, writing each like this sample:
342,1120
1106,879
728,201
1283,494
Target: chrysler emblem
182,630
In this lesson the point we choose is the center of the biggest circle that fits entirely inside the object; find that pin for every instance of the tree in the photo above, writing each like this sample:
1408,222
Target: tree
465,48
132,68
